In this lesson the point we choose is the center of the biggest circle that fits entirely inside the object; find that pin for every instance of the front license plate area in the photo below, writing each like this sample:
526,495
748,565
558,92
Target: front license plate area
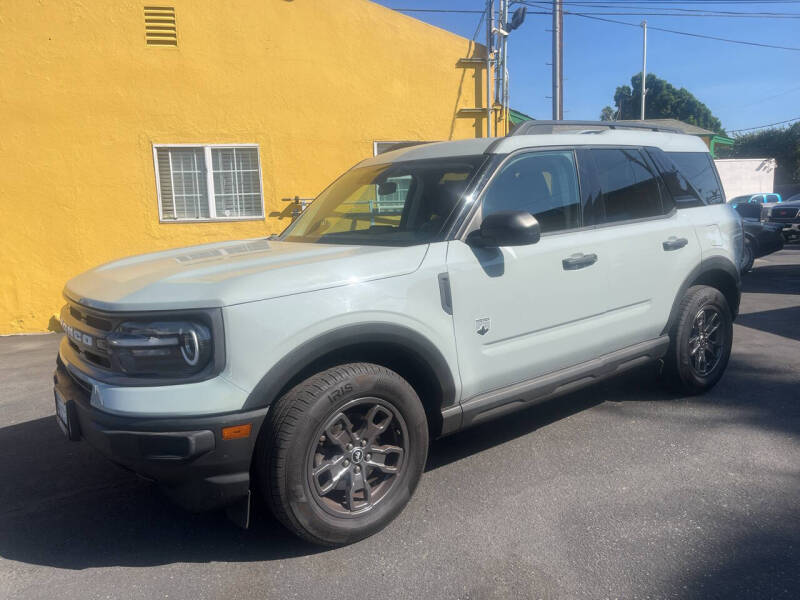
66,421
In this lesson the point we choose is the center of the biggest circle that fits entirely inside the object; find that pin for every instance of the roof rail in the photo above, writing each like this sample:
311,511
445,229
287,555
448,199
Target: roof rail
548,127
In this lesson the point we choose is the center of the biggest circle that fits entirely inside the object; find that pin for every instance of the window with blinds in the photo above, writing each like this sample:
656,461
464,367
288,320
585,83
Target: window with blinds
208,182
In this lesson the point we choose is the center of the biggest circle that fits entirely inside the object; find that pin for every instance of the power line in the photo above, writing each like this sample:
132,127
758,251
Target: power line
763,126
676,32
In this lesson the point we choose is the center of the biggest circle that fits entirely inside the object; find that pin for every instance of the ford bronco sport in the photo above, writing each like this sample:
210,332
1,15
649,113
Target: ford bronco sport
426,290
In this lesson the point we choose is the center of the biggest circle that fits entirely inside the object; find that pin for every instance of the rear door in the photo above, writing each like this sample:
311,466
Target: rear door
649,247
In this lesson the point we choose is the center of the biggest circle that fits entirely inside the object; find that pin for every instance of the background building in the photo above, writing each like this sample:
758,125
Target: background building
129,127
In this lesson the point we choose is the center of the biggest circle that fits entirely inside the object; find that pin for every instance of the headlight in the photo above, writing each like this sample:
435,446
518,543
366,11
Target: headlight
161,348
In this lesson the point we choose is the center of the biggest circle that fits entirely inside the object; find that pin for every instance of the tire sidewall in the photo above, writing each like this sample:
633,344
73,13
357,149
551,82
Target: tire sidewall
389,387
700,297
749,257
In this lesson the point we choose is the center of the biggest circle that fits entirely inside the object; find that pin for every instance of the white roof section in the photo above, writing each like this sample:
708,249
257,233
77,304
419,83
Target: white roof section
468,147
668,142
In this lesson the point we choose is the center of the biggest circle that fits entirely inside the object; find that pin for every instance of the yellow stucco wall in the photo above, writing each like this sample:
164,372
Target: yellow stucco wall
82,100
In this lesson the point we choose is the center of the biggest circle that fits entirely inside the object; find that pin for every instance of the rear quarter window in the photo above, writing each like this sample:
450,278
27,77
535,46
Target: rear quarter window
698,168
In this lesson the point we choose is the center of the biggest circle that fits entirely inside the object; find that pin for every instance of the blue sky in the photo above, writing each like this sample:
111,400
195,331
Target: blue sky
745,86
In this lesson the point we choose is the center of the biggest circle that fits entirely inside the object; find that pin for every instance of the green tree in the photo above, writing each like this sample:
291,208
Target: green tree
608,114
663,101
782,144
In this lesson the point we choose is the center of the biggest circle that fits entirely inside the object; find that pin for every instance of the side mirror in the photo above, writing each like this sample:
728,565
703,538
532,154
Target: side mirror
507,228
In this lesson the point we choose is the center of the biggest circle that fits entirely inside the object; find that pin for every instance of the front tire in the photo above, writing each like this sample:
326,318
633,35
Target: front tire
700,341
342,452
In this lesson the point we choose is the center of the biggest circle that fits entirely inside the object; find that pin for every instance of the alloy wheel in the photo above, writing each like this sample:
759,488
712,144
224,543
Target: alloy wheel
357,456
706,341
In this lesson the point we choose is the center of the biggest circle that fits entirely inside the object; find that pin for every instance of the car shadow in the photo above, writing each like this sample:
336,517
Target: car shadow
63,505
772,279
639,383
780,321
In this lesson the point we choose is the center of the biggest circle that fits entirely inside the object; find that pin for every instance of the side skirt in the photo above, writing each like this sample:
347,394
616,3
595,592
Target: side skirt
520,395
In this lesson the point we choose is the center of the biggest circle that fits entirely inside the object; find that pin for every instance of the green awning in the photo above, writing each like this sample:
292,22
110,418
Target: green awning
517,117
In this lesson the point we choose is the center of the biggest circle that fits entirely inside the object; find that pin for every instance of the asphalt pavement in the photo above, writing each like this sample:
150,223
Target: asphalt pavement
618,491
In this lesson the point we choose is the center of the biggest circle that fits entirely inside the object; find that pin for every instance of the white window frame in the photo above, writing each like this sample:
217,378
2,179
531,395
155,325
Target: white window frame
406,144
212,204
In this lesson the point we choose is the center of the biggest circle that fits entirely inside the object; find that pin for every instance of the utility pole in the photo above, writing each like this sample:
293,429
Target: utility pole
489,52
644,64
558,68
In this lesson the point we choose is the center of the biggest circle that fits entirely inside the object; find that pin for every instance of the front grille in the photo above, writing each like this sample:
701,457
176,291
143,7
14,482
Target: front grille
90,320
784,213
92,357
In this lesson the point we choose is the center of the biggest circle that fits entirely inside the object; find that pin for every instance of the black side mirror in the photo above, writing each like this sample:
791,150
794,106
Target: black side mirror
507,228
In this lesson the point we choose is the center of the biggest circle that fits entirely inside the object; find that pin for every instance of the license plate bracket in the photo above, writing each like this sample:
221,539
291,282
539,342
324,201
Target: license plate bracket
65,416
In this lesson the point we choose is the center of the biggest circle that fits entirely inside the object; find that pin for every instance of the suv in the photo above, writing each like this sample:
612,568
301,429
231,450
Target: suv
426,290
787,215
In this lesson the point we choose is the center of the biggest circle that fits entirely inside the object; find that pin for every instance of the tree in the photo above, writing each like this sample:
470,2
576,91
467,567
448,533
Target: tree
608,114
663,101
782,144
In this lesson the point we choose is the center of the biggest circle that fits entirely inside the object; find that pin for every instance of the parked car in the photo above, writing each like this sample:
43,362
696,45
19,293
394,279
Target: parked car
757,198
787,215
315,368
760,238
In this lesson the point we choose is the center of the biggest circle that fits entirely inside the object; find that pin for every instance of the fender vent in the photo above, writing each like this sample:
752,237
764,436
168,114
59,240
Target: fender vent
160,28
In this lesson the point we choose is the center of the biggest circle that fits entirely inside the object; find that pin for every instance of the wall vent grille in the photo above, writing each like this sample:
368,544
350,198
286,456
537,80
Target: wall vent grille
160,28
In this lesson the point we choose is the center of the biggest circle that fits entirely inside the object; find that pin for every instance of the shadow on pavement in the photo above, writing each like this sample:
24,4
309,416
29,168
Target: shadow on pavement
780,321
63,505
773,279
752,565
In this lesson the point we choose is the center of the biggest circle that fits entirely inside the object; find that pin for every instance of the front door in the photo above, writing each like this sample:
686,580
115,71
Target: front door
523,311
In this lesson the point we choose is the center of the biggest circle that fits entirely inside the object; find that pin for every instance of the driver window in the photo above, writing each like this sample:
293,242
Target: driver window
544,184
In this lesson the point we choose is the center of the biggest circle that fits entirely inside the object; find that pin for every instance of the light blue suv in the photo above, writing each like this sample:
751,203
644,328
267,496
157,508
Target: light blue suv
426,290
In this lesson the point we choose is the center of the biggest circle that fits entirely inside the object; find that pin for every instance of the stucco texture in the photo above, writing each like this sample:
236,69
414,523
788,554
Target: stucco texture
83,99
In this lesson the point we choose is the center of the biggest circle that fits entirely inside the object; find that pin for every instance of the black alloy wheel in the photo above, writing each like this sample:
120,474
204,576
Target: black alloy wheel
706,341
701,337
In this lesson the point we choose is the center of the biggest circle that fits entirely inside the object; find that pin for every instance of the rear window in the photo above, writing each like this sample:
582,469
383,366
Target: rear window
628,186
699,169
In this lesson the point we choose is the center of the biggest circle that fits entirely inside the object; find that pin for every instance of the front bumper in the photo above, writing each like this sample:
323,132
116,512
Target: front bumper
790,229
185,455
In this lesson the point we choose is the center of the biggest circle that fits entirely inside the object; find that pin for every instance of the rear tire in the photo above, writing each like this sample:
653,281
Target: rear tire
700,341
342,452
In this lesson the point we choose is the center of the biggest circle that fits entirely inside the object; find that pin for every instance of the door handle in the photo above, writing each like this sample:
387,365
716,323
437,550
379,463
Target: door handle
674,243
578,261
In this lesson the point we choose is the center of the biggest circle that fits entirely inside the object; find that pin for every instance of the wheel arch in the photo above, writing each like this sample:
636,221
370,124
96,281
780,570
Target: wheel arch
717,272
405,351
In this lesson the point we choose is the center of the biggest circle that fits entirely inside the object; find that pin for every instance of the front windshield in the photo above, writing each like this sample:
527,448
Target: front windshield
393,204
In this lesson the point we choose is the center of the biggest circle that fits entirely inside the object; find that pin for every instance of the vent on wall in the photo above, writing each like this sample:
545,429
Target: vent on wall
159,26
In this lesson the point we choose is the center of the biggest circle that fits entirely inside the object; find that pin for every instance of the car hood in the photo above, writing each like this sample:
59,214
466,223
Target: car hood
228,273
790,204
